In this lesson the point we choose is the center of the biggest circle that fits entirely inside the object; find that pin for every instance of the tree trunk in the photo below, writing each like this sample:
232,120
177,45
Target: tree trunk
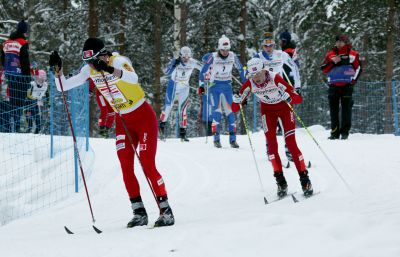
177,27
184,16
242,26
93,28
93,31
121,36
206,47
389,65
157,57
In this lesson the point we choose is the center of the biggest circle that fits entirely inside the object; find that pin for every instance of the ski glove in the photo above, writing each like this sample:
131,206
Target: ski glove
101,65
55,60
177,62
286,97
200,91
344,60
237,98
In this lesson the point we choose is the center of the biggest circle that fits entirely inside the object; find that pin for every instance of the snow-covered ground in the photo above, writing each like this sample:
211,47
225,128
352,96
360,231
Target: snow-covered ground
219,208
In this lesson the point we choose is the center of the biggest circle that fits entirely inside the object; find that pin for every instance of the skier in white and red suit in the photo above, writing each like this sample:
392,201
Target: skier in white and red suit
275,95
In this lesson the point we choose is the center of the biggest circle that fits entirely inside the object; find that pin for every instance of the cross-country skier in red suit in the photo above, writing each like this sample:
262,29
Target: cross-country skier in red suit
107,114
274,94
124,94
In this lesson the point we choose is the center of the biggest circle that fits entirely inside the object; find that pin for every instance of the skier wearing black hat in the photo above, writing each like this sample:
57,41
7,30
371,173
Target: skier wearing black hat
15,60
136,122
343,68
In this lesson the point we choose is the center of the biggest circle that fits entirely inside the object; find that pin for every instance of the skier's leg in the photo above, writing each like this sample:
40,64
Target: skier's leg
227,104
270,135
215,102
126,156
289,126
147,133
347,104
170,95
183,104
269,125
333,98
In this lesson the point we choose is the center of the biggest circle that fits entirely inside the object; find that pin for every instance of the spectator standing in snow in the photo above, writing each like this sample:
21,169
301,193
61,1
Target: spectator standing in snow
343,68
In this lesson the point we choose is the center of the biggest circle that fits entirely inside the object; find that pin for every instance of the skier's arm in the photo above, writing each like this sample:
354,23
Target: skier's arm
2,57
208,60
24,60
293,67
197,65
239,67
74,81
171,67
328,64
357,67
281,83
244,92
128,74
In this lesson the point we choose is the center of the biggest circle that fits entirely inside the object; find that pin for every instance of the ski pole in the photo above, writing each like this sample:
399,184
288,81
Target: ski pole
207,110
128,134
75,144
315,141
252,148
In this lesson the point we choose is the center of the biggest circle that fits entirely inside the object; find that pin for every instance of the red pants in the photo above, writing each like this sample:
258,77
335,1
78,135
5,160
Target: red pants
143,128
107,114
269,120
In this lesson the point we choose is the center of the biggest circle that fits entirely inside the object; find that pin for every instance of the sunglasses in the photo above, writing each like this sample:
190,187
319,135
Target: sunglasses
89,54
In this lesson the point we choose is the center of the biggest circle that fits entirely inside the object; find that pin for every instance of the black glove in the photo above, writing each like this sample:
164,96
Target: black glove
177,61
55,60
101,65
344,60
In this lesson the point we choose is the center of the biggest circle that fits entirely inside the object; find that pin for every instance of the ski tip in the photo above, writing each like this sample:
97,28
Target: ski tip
309,165
68,231
98,231
265,200
294,199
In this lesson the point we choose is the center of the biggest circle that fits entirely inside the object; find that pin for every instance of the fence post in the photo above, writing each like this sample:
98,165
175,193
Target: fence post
87,123
73,116
395,113
177,121
254,113
52,115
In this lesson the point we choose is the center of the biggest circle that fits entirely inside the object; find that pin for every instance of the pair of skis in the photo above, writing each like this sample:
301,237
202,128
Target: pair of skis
293,197
287,166
98,231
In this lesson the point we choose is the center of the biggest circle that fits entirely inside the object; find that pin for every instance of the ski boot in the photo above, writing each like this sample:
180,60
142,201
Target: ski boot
288,154
139,215
281,183
306,183
103,131
182,134
217,144
161,129
166,216
234,144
